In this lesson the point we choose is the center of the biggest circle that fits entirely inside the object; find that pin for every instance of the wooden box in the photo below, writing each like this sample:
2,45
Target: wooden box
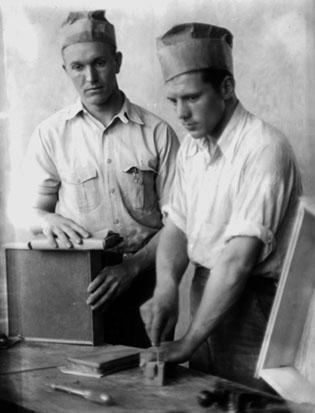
287,357
47,292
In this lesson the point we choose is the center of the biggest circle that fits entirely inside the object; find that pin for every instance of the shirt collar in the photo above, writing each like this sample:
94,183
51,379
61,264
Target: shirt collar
128,112
74,110
227,140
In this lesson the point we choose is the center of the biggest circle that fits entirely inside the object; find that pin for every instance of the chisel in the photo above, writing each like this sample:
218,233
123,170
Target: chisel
91,395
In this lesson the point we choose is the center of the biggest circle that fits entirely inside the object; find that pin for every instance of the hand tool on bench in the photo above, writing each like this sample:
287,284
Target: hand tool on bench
91,395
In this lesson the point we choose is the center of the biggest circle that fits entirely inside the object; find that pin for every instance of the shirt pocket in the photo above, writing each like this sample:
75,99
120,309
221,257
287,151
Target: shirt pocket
140,185
81,188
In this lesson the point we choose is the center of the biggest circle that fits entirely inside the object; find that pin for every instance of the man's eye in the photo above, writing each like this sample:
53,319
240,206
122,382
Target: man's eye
100,63
192,98
172,101
77,67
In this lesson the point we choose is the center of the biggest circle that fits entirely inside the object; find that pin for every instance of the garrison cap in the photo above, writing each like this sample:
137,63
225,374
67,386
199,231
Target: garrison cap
87,26
194,46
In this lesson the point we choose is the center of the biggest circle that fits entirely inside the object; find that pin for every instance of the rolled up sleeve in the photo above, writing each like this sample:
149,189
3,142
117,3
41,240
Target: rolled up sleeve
39,176
168,144
176,208
262,195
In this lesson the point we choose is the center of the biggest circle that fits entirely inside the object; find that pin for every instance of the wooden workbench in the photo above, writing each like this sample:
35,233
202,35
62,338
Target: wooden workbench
27,368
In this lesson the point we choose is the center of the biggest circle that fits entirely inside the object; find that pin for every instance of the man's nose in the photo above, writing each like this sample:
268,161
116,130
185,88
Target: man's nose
90,74
183,111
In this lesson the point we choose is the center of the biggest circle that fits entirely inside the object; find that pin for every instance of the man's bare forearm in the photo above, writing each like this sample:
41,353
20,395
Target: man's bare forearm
166,249
144,259
160,313
172,258
223,287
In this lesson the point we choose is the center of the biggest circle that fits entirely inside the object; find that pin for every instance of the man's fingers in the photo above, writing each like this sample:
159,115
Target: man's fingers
71,234
170,323
66,230
156,328
79,230
156,322
74,231
99,291
50,237
62,239
98,280
105,298
147,315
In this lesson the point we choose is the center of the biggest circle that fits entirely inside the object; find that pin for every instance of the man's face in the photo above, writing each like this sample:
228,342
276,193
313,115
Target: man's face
92,67
198,106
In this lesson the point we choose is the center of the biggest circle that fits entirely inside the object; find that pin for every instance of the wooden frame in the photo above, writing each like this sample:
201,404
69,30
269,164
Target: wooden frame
287,358
47,292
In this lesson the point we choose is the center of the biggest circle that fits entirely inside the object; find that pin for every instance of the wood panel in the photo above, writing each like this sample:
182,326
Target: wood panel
305,358
287,358
47,293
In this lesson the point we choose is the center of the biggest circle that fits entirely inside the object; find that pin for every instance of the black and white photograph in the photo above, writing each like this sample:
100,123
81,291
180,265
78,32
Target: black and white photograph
157,206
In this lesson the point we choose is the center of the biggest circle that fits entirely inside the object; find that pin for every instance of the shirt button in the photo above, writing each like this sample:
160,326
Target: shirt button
116,221
109,160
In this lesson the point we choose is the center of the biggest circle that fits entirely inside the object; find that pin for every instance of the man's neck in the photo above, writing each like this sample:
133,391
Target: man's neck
106,112
229,110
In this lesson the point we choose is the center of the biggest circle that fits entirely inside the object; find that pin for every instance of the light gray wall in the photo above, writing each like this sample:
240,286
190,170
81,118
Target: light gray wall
273,55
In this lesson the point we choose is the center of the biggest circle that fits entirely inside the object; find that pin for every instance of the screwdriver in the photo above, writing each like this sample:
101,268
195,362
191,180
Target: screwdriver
91,395
155,348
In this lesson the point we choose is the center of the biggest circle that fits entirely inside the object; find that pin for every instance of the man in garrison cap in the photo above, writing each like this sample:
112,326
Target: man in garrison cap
103,164
235,194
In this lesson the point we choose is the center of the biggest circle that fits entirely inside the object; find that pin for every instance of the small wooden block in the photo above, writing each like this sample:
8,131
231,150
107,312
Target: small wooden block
153,370
154,373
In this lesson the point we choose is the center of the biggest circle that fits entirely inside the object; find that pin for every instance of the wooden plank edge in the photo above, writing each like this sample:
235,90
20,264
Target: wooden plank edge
290,384
278,297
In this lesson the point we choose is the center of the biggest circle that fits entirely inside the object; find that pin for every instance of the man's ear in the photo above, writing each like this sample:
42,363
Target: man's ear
64,67
227,87
118,60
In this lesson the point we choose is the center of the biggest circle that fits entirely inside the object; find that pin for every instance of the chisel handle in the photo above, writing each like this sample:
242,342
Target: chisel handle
91,395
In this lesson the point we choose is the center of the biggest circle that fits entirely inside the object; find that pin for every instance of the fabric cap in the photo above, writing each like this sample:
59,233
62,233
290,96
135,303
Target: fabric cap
194,46
87,26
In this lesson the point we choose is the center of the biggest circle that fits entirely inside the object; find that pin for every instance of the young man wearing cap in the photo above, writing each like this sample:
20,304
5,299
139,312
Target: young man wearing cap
103,163
234,199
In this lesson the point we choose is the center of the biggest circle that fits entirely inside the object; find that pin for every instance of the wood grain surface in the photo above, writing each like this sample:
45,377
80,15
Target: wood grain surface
28,369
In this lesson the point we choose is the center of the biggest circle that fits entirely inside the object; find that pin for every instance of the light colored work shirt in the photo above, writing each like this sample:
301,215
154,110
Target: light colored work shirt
245,184
116,177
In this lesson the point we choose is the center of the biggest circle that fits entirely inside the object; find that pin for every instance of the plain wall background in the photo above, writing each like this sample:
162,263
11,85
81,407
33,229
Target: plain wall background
274,63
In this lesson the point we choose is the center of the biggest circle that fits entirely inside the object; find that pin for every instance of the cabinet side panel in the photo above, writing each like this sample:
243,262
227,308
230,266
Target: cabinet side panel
47,295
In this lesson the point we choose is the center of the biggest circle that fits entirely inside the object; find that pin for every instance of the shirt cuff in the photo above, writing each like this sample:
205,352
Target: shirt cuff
168,211
246,228
47,190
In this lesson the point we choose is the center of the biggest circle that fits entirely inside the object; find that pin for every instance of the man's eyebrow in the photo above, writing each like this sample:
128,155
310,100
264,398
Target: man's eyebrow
188,95
184,96
75,62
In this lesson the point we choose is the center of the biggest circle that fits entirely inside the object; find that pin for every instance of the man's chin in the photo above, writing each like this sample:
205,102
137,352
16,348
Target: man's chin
96,100
196,134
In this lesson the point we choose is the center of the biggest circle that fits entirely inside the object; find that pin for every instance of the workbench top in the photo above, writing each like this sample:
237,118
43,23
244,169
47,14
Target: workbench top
27,369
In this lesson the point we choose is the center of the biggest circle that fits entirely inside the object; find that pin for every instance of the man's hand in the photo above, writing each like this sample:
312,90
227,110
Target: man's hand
160,313
109,284
57,228
177,351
